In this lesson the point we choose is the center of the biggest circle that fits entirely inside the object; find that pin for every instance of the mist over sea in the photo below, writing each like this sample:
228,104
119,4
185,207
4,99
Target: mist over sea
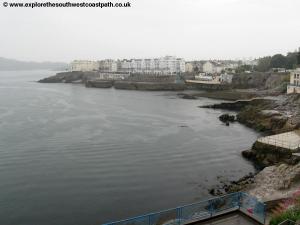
71,155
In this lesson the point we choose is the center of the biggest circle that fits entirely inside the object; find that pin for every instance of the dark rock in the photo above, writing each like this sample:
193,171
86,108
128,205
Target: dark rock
233,186
226,118
237,105
248,154
186,96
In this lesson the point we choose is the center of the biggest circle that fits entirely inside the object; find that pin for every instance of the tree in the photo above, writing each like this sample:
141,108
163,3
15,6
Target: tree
264,64
278,61
243,68
291,60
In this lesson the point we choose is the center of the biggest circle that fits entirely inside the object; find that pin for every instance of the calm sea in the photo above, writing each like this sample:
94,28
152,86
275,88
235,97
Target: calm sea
71,155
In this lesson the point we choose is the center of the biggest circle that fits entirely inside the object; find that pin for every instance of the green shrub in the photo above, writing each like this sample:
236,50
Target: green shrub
291,214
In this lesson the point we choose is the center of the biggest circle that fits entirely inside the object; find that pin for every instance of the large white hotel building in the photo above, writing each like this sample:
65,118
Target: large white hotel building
164,65
168,65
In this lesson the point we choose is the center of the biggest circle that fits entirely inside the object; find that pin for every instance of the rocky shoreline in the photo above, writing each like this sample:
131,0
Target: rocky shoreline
269,115
91,80
263,114
278,166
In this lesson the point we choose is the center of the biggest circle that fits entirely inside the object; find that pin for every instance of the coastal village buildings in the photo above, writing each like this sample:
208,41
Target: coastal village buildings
294,86
226,78
168,65
108,65
84,65
189,68
250,62
212,67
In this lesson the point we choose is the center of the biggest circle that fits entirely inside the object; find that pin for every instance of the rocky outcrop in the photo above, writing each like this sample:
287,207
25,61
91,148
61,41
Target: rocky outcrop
275,182
239,104
267,155
226,118
233,186
91,79
262,114
186,96
260,119
70,77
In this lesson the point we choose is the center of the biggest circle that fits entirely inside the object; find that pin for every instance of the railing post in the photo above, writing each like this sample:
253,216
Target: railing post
239,199
178,215
211,207
149,219
265,211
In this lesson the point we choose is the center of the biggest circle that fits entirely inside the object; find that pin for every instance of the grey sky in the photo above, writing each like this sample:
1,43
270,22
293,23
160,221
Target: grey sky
193,29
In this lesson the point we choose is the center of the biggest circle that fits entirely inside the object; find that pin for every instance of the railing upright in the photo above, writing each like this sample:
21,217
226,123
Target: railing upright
149,219
178,215
239,199
210,208
265,211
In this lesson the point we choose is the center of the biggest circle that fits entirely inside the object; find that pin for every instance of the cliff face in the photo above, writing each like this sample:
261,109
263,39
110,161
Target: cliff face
259,80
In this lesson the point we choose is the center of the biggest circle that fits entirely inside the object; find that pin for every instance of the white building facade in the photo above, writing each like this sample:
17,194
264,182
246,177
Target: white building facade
166,65
84,65
189,68
294,86
226,78
108,65
212,67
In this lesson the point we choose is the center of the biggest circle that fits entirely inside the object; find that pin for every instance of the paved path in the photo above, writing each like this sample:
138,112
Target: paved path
230,219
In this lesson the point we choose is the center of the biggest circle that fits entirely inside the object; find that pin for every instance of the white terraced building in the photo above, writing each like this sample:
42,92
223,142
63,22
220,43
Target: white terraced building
294,86
84,65
212,67
167,65
108,65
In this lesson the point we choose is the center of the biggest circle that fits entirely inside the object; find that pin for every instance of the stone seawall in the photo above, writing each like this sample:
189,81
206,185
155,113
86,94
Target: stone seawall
207,87
99,83
148,86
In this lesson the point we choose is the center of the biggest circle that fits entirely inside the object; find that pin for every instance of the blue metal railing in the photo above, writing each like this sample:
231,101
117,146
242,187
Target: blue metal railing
238,201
